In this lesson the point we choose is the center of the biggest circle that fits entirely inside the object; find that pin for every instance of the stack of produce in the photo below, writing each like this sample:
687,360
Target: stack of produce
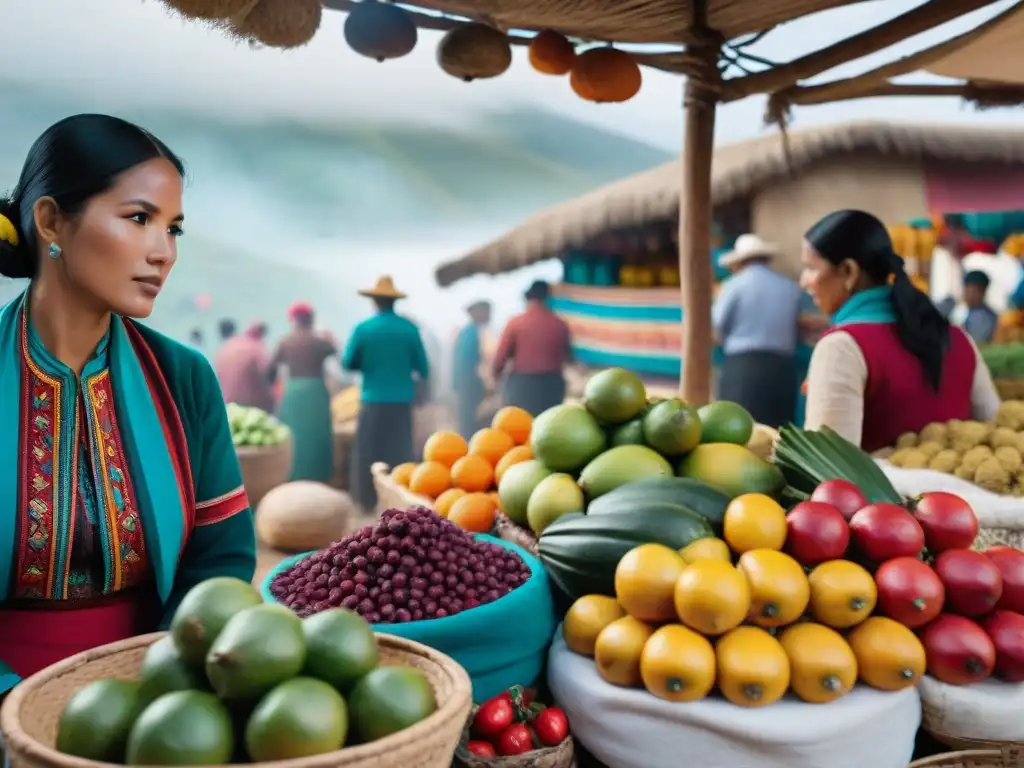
461,478
838,590
989,454
238,681
409,566
255,428
514,723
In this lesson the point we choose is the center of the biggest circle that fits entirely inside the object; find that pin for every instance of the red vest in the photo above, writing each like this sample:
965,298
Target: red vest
897,397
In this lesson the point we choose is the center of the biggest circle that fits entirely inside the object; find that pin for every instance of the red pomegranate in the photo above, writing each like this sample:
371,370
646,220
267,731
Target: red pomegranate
816,532
973,582
1010,563
958,650
948,521
841,494
883,531
909,591
1006,629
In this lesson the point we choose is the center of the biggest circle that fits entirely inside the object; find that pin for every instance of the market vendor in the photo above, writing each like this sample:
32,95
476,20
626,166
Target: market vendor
974,315
891,363
119,484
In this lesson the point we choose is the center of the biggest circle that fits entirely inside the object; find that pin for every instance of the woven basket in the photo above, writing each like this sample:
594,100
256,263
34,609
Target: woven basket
976,758
264,468
29,717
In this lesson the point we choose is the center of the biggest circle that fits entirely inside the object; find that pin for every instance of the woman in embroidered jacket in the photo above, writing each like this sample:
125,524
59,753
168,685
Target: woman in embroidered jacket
119,485
891,363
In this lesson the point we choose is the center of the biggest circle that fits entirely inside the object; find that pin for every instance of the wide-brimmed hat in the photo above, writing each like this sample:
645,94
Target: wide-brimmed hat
383,289
748,247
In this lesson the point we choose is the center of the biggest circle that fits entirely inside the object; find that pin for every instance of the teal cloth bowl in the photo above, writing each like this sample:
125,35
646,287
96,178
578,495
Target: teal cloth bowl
499,644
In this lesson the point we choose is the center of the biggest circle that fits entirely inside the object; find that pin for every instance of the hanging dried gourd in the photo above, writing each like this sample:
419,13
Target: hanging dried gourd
280,23
551,53
380,30
208,10
605,75
474,52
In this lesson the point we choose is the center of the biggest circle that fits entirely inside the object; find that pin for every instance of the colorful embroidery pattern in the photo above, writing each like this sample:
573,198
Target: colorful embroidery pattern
124,527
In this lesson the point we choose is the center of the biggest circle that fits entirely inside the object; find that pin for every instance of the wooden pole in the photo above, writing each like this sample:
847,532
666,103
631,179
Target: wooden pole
700,102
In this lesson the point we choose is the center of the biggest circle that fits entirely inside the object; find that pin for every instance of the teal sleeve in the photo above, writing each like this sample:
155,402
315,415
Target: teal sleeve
350,360
223,542
420,362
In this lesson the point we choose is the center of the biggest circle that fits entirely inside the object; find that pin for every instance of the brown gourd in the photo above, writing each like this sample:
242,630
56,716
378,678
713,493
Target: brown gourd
280,23
474,52
208,10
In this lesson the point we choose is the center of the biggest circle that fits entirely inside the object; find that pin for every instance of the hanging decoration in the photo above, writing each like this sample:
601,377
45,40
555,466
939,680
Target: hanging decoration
380,30
208,10
280,23
474,52
552,53
605,75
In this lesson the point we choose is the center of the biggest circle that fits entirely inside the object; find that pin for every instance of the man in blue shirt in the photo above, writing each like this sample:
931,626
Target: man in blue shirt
979,320
756,320
388,351
467,382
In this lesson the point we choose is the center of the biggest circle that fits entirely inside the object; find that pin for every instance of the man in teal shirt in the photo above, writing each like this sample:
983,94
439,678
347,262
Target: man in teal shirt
388,351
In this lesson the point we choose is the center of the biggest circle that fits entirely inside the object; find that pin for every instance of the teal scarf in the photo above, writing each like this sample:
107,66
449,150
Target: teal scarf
871,306
156,488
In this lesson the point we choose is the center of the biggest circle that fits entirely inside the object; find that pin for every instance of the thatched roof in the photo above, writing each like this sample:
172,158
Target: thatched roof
738,170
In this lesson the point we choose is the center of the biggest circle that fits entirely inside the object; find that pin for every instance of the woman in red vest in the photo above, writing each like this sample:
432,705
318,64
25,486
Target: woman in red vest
891,363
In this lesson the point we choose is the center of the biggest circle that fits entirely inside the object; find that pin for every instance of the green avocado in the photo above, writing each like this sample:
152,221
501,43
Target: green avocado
97,719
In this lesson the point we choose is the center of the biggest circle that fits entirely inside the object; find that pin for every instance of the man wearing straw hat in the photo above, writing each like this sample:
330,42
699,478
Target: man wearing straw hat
388,351
756,321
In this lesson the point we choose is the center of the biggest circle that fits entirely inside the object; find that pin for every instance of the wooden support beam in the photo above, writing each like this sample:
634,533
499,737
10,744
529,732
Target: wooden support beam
927,16
700,104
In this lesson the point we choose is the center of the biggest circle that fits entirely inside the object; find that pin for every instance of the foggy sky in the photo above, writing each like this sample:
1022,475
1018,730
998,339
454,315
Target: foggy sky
132,52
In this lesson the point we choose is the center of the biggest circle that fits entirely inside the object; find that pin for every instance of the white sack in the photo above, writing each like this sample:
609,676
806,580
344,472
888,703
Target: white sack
626,728
988,711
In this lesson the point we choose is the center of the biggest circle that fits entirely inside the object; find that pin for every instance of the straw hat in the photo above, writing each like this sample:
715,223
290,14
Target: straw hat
384,289
748,247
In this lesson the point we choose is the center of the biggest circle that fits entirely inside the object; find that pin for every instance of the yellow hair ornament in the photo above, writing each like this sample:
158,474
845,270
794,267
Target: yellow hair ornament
8,233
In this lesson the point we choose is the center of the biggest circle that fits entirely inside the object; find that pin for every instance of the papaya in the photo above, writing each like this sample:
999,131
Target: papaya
753,669
677,664
822,665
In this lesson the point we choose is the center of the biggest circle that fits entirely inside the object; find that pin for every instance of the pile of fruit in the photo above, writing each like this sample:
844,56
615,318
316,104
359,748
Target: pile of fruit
238,681
461,478
838,590
989,454
345,405
410,565
254,428
513,723
571,455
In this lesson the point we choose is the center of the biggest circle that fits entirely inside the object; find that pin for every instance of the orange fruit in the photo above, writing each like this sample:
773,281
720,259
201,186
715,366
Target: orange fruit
474,512
402,473
515,421
491,443
516,455
431,479
473,473
443,503
445,448
496,498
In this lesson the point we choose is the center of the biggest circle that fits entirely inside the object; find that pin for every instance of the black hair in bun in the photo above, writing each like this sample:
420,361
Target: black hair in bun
72,161
15,260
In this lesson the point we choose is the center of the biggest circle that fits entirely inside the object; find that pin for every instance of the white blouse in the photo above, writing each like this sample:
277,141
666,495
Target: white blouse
837,378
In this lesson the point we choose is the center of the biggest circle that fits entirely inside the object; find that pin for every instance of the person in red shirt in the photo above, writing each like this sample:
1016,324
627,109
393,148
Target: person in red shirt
532,353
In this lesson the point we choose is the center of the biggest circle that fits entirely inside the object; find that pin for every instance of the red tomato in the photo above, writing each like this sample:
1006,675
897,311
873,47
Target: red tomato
973,582
958,650
884,531
515,740
481,749
841,494
816,532
909,591
1010,563
948,521
1006,629
551,726
493,717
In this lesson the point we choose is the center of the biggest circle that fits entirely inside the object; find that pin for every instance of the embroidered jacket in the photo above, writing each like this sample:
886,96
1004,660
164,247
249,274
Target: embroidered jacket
81,528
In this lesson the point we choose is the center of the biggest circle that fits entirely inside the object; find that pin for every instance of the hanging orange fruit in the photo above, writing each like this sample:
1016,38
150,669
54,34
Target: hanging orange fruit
605,75
551,53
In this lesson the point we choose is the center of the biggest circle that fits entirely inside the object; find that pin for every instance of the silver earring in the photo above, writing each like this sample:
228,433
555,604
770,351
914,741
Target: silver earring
54,251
